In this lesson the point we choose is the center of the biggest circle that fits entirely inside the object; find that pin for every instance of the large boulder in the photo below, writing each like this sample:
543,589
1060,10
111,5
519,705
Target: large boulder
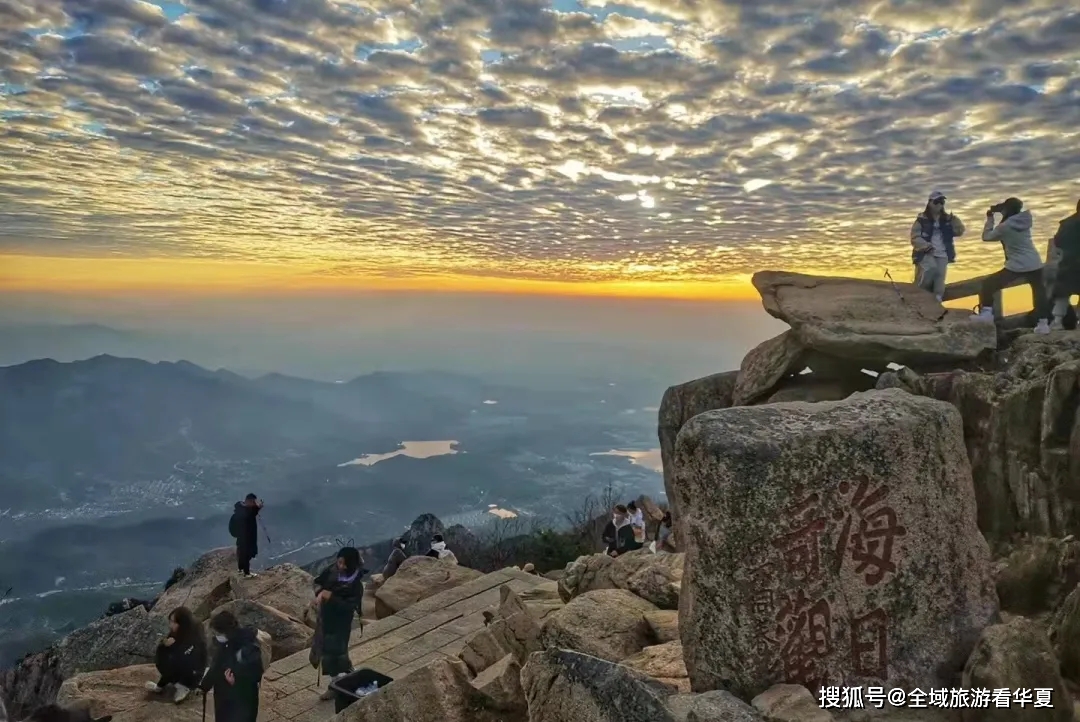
1022,432
31,683
872,322
438,692
419,578
1065,636
121,640
285,587
542,600
682,403
501,682
513,629
288,635
663,625
811,388
662,662
204,586
122,694
765,365
565,686
831,543
1017,656
606,623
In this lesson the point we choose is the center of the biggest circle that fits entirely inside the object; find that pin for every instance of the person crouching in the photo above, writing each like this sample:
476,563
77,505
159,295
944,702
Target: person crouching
180,657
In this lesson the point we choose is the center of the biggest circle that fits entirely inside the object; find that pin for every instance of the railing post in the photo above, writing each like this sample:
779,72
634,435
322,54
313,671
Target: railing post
999,307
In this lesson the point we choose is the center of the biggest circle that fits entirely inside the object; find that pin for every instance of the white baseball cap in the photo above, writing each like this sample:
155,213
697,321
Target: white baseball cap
936,195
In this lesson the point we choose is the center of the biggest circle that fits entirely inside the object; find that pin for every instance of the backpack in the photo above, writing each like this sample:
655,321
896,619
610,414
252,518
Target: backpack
249,659
234,525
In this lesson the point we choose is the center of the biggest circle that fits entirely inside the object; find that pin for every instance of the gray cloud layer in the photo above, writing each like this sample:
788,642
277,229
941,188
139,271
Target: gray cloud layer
674,139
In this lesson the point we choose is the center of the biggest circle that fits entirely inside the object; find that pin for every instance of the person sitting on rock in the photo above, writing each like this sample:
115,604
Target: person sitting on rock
665,541
624,532
180,657
637,521
236,672
1022,262
932,248
397,556
1067,281
339,592
439,550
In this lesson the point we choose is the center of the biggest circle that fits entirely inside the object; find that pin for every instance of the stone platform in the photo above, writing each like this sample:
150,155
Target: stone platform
432,628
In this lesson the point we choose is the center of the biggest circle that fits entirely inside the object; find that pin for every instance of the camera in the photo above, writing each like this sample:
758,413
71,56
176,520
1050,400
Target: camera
997,208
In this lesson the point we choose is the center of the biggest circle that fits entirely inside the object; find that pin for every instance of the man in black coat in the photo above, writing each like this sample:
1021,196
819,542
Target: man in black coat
236,672
244,526
340,592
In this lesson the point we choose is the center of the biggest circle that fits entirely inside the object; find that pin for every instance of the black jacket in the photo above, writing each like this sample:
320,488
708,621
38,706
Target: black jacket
1068,240
183,661
625,541
237,702
336,616
608,536
248,538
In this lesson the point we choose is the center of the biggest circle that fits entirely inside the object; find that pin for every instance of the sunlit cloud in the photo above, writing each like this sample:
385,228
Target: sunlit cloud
628,147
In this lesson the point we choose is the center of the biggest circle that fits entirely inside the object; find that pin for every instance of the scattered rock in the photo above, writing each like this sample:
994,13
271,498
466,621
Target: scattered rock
714,706
872,322
204,587
521,629
662,662
790,703
606,623
419,578
766,365
120,640
122,694
287,635
542,600
501,682
285,587
843,529
664,625
565,686
437,692
655,577
1016,656
1037,576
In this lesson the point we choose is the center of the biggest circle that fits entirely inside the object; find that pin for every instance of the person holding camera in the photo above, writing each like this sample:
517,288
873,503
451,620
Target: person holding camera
1022,262
932,248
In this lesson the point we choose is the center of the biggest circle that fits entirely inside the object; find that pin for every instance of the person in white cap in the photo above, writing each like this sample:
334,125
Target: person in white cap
932,248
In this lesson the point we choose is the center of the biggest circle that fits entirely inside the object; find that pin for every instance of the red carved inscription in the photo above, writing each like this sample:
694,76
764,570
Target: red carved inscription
800,547
869,531
869,645
804,627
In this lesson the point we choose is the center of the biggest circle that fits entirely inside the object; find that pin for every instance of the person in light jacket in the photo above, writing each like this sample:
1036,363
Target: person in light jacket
932,248
1022,262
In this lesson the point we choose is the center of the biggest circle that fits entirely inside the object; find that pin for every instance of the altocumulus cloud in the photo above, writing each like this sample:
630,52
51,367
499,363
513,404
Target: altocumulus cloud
644,140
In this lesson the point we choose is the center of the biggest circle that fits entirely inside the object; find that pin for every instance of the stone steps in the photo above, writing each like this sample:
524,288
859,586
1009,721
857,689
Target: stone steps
431,629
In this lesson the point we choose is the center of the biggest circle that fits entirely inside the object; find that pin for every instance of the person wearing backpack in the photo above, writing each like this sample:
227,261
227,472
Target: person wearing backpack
236,672
244,527
339,591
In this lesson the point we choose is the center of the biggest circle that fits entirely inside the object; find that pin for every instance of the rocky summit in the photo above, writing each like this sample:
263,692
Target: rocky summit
881,497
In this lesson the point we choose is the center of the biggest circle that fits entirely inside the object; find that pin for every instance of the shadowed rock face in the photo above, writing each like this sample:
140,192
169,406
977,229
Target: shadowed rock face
843,530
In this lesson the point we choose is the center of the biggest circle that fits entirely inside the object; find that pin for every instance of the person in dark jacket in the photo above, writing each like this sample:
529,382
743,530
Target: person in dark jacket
180,657
236,672
397,556
340,592
245,527
1067,281
624,533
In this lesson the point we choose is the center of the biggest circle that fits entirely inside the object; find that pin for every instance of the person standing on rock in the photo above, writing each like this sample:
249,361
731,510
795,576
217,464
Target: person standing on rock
1067,282
244,527
339,591
236,673
932,248
180,657
1022,262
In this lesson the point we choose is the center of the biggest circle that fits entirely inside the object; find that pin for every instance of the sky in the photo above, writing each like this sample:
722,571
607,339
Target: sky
641,149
